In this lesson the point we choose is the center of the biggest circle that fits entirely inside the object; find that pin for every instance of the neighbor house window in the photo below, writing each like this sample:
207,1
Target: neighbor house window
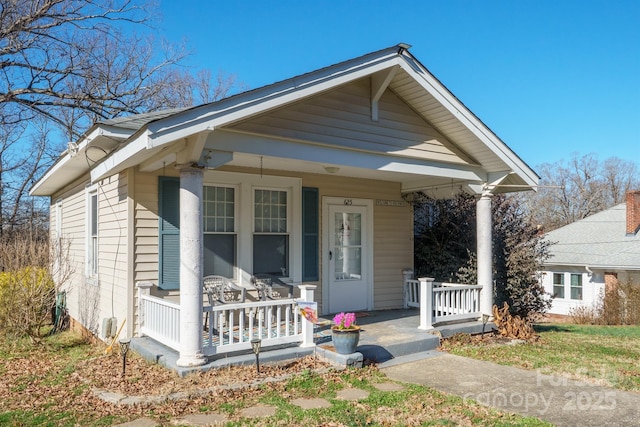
558,285
271,232
92,232
219,231
576,286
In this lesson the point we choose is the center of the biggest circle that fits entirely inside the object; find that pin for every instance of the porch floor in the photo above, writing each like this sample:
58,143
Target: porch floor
385,335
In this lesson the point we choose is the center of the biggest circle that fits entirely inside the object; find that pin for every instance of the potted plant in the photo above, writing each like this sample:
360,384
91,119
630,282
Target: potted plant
345,333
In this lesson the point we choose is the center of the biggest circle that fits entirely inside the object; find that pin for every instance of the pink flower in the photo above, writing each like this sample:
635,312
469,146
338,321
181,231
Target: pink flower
344,320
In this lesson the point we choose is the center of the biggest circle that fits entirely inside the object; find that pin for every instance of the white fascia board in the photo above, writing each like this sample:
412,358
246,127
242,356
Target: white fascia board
462,113
46,185
252,103
264,146
119,159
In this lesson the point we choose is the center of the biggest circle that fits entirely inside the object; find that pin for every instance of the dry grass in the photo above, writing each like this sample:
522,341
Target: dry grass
55,385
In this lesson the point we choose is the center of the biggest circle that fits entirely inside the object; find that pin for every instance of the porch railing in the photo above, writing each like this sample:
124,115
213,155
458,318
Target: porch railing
229,327
159,319
443,302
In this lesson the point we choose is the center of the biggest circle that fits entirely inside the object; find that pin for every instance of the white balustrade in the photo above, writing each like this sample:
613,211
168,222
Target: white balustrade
442,302
230,327
160,320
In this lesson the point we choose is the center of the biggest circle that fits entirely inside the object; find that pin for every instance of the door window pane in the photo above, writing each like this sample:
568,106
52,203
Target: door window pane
348,249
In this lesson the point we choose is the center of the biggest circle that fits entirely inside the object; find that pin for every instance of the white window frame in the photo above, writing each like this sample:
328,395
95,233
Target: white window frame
553,285
287,232
566,275
571,287
92,242
236,211
245,185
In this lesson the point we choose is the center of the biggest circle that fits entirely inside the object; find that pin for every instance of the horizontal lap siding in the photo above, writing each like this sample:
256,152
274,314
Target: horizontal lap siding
393,245
342,118
91,303
73,232
112,240
393,240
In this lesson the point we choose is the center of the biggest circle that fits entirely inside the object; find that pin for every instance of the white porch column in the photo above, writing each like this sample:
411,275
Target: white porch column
485,256
191,270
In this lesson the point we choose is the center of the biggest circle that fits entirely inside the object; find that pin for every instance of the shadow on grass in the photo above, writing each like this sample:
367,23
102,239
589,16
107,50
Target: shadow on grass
553,328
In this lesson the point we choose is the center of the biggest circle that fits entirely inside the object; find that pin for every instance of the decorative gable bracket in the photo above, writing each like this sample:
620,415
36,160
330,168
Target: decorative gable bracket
379,83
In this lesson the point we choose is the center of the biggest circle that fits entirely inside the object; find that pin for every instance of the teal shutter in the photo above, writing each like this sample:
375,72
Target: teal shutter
169,232
310,238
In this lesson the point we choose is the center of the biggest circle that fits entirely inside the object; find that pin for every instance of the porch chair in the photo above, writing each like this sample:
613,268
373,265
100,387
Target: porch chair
265,284
221,290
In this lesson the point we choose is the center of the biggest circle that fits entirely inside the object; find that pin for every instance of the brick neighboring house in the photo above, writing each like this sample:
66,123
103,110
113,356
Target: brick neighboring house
592,254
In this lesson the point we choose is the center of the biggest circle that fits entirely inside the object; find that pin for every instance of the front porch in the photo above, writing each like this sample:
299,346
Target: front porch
285,333
386,335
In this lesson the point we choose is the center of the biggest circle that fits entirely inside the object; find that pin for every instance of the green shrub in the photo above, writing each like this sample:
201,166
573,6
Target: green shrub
26,297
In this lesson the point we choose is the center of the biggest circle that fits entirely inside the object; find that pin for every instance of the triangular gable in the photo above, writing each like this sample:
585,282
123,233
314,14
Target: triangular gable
456,132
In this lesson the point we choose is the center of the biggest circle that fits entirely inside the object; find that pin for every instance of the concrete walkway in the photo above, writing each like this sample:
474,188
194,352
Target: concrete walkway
558,400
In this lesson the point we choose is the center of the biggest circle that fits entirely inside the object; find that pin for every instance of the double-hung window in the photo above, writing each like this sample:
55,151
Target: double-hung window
271,232
558,285
219,223
576,286
92,233
569,289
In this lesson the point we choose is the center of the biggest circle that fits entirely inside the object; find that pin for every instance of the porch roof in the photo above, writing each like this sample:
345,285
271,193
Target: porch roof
212,134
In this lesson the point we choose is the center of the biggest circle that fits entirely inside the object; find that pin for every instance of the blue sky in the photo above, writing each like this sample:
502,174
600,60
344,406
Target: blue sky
548,77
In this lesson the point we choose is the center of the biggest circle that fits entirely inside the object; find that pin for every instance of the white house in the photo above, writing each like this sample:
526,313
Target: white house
588,255
303,179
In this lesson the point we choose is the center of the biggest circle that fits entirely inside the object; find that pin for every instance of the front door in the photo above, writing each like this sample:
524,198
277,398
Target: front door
349,254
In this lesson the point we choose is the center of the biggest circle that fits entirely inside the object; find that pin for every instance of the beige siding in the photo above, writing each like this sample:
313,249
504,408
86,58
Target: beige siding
393,243
342,118
393,240
90,303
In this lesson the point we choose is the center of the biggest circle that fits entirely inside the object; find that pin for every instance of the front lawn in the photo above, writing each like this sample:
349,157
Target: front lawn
54,385
605,355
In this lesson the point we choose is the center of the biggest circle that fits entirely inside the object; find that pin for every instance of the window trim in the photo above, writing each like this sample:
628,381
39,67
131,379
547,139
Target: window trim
92,244
561,284
245,184
236,211
286,233
571,287
567,286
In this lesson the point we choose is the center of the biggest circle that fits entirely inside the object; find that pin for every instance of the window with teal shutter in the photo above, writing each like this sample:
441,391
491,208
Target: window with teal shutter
310,238
169,232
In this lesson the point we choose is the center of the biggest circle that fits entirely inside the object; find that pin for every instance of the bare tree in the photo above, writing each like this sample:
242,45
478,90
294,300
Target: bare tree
587,186
57,55
65,64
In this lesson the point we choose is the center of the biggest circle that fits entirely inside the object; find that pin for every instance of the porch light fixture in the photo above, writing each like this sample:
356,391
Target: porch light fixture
124,349
485,319
331,169
255,346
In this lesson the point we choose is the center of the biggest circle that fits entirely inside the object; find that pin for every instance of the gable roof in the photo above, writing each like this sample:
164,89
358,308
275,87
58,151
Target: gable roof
598,241
143,136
